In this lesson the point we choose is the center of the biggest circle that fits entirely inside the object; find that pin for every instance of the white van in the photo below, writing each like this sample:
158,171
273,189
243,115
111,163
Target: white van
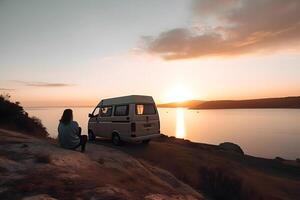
129,118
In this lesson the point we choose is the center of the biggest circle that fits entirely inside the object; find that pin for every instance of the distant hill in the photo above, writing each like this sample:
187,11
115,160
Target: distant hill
282,102
184,104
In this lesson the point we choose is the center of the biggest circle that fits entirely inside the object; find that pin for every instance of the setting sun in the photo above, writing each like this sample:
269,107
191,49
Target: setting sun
179,93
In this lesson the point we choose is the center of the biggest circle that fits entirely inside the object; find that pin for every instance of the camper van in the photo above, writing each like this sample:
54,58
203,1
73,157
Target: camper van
130,118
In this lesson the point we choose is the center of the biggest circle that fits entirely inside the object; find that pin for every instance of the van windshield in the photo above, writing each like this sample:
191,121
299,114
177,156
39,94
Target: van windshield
145,109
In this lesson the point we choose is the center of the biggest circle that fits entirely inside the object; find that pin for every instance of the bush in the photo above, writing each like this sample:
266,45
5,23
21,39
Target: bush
13,116
221,184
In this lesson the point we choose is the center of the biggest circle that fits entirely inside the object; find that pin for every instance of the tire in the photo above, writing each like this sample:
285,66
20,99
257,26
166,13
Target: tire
146,141
116,140
91,136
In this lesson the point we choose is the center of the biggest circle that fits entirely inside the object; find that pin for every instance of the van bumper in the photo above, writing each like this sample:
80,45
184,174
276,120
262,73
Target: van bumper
141,138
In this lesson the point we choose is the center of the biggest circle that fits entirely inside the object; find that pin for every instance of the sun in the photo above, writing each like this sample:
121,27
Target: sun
179,93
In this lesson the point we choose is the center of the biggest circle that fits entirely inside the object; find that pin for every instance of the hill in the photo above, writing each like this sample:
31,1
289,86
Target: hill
282,102
166,169
32,168
218,173
184,104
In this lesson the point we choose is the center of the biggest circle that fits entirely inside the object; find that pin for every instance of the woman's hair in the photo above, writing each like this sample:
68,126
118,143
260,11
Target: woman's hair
67,116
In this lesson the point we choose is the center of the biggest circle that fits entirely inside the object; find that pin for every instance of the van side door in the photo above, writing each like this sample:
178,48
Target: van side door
104,121
92,125
121,120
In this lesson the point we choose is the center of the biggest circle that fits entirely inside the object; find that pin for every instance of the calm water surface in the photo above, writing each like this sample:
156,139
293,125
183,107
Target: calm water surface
260,132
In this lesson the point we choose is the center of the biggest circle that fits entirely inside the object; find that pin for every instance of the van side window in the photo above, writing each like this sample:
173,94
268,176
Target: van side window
121,110
96,112
145,109
106,111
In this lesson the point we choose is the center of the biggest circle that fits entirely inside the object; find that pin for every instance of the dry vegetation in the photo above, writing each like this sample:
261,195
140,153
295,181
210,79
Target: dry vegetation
14,117
218,174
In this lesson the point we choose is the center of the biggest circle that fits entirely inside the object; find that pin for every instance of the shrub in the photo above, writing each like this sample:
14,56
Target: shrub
13,116
220,184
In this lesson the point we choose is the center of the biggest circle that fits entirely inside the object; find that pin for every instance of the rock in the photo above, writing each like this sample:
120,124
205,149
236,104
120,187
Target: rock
231,147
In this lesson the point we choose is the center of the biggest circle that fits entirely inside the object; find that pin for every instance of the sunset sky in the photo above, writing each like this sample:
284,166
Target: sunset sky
74,52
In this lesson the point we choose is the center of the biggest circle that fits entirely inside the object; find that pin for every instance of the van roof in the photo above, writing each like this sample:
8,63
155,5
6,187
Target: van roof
127,100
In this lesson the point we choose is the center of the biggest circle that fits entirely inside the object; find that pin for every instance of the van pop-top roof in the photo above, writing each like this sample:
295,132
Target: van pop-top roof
126,100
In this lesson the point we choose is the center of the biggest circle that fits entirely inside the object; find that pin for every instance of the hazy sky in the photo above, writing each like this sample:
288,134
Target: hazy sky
73,52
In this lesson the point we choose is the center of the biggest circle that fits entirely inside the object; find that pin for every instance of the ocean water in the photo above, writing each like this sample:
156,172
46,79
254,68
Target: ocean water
260,132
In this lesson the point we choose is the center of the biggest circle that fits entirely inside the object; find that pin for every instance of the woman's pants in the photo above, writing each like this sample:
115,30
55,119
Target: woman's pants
83,140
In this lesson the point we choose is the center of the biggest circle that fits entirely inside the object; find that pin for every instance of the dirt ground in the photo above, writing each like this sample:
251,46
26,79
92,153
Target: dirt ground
166,168
32,168
218,174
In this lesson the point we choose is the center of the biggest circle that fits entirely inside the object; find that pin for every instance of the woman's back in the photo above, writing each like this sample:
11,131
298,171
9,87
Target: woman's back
68,134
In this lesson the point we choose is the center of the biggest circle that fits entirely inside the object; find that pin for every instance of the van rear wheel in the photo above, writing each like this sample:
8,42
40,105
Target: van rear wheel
91,136
116,140
146,141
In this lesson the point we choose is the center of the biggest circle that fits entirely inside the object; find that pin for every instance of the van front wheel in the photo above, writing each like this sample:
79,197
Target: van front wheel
116,140
91,136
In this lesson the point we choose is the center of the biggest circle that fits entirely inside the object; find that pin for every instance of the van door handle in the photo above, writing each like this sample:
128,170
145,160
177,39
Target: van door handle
128,118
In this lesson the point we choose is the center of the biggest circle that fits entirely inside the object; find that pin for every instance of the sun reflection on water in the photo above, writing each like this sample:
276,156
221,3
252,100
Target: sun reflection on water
180,123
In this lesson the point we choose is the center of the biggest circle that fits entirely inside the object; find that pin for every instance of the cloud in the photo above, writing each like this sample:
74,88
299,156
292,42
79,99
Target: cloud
42,84
6,89
212,7
232,27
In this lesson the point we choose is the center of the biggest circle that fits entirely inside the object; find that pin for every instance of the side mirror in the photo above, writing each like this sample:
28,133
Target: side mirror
90,115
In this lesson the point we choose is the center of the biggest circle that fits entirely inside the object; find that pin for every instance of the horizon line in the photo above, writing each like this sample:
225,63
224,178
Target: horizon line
87,106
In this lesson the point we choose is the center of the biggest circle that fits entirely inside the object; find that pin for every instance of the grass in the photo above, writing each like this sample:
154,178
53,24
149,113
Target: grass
219,175
221,184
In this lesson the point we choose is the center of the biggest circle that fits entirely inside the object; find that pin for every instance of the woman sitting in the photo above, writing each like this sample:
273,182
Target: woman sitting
69,132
